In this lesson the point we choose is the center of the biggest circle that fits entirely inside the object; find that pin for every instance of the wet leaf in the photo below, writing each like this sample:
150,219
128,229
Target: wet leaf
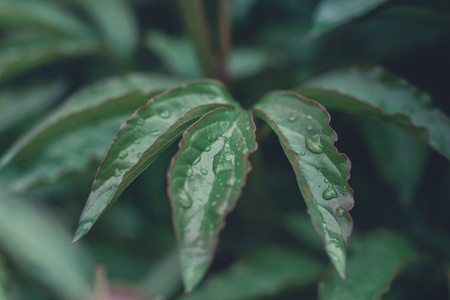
39,245
330,14
206,179
149,131
374,260
322,172
264,273
42,16
372,92
21,56
80,130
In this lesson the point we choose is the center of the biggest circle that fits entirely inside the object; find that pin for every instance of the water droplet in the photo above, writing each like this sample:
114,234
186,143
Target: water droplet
123,154
138,141
189,173
292,118
326,180
309,127
204,171
244,152
113,187
329,193
303,153
118,172
340,211
230,182
208,148
164,114
139,154
313,144
309,117
185,201
196,161
156,132
140,121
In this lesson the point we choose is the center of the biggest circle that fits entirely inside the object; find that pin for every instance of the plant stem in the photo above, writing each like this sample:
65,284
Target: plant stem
196,25
224,39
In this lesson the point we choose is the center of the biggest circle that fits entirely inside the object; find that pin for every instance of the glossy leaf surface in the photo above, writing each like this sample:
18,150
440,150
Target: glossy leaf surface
81,129
42,16
330,14
141,139
374,260
322,172
40,246
373,92
21,56
206,179
264,273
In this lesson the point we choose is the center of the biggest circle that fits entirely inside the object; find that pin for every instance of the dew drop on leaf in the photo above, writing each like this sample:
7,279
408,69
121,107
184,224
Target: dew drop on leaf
303,153
189,173
326,180
204,172
117,173
340,211
313,144
329,193
292,118
309,127
309,117
196,161
139,154
185,201
138,141
164,114
230,182
113,187
140,121
208,148
156,132
123,154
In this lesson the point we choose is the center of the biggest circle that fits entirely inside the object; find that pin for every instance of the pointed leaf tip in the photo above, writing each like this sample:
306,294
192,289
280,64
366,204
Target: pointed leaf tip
140,140
205,180
302,126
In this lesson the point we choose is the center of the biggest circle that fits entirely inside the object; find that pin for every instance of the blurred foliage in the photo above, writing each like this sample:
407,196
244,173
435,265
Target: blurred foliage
49,50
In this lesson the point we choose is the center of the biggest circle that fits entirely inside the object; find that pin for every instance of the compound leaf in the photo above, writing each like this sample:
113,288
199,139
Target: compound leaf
371,91
302,126
140,140
374,260
81,129
206,179
264,273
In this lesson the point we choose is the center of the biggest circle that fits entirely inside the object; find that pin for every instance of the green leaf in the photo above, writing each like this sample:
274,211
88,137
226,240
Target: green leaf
21,56
81,129
39,245
121,34
393,150
371,91
17,106
42,16
374,261
330,14
205,180
4,293
141,139
263,273
322,172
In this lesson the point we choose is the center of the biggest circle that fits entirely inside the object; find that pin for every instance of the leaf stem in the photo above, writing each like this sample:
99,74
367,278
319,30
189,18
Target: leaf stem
197,28
224,39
